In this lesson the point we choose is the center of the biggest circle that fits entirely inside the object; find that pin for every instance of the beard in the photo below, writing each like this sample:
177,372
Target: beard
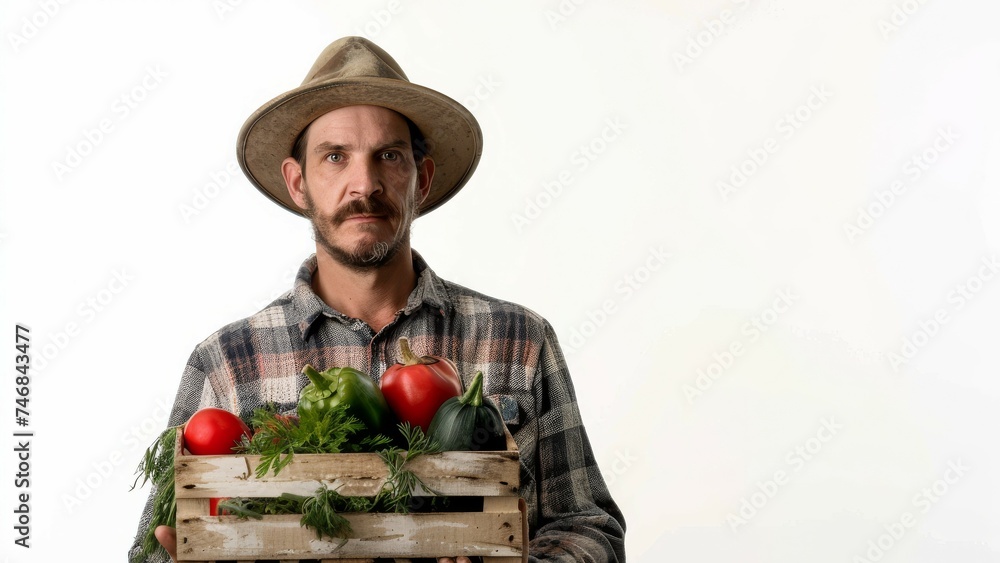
369,253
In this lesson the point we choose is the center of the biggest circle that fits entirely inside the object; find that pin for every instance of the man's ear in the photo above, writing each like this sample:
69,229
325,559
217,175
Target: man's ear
425,175
292,173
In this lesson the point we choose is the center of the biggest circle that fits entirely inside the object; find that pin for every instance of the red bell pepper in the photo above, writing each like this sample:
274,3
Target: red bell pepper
418,386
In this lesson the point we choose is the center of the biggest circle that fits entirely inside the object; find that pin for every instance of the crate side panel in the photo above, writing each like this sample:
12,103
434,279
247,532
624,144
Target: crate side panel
446,473
373,535
234,475
470,473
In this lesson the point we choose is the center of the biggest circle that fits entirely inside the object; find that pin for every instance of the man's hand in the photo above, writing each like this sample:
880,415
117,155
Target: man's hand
167,537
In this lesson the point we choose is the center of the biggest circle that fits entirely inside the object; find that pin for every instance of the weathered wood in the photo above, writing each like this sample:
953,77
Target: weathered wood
373,535
447,473
190,507
506,504
498,533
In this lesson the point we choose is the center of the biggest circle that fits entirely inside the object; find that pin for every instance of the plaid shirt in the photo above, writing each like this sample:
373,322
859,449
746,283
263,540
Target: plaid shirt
258,360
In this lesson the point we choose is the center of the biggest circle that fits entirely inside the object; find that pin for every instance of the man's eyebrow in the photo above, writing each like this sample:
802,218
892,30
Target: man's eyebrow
327,146
396,144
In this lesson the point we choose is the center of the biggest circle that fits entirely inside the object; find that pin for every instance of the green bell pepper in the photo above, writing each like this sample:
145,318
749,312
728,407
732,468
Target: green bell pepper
345,385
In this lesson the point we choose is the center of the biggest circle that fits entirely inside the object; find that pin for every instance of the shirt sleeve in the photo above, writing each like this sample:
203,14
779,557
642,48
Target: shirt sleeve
577,519
187,402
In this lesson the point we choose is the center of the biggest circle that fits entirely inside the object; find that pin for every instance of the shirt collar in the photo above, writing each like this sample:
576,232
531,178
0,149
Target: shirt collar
430,289
307,307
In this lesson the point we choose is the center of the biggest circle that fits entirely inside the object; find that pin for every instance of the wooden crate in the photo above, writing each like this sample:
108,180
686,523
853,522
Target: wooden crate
497,533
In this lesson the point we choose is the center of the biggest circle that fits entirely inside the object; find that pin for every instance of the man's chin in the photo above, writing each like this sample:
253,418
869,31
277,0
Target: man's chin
362,246
365,257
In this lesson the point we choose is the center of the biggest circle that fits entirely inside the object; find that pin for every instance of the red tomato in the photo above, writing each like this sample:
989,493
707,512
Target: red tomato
416,387
213,506
213,431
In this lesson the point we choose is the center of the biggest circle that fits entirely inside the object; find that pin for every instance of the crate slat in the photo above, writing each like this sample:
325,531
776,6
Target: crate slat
448,473
373,535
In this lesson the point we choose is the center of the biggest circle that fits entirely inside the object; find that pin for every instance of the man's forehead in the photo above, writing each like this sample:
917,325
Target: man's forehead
360,122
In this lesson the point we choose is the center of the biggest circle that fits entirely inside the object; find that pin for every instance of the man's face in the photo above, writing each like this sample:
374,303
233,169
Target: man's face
360,188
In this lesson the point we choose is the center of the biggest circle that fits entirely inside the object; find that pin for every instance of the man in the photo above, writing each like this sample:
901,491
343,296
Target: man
361,151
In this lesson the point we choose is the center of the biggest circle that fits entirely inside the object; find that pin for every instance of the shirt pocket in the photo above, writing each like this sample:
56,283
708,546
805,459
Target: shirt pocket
510,411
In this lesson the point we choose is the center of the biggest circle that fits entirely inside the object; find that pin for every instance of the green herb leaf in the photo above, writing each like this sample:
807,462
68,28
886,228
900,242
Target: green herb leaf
397,491
157,466
256,508
319,512
277,437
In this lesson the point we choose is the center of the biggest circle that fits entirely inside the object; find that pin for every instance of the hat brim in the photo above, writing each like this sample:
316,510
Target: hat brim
452,133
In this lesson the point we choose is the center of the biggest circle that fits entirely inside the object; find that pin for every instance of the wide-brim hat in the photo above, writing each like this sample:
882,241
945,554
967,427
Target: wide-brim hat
354,71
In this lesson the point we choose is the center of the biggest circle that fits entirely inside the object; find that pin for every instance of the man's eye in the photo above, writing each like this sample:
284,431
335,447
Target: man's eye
335,157
390,155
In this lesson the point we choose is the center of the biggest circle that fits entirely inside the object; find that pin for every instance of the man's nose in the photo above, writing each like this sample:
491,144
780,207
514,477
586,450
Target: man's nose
364,179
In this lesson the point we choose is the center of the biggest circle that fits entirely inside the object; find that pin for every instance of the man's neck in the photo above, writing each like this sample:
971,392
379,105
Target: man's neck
373,296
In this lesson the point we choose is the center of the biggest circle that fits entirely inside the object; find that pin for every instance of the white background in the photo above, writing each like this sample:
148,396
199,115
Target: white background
846,410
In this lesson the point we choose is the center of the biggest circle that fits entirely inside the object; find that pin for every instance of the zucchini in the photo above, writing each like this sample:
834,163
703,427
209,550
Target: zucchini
468,422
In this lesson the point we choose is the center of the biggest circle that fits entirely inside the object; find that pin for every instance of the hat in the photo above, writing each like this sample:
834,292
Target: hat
355,71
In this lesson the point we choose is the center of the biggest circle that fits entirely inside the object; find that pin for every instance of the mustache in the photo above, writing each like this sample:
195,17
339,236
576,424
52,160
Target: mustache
366,206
